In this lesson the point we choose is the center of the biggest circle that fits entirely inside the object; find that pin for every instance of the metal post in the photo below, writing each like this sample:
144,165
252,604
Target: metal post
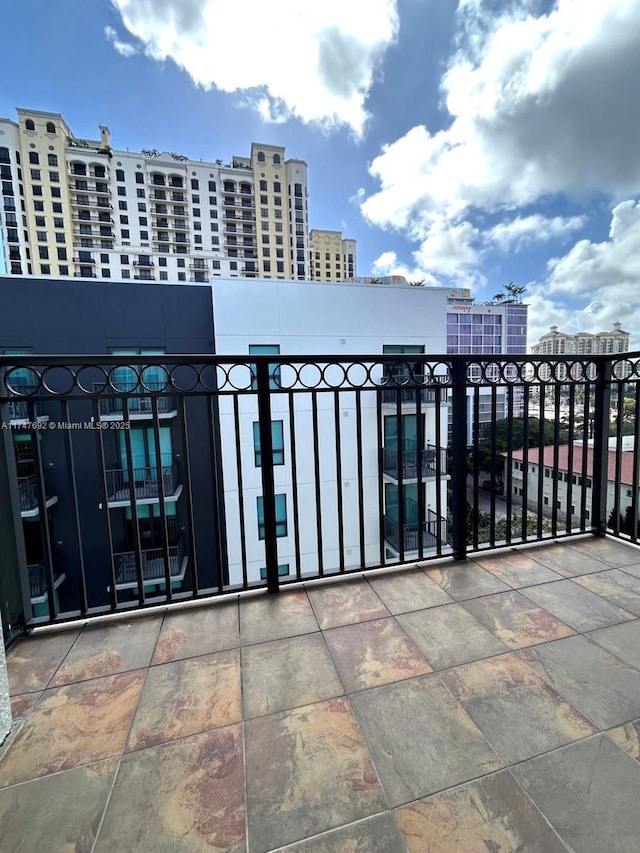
268,487
601,446
459,453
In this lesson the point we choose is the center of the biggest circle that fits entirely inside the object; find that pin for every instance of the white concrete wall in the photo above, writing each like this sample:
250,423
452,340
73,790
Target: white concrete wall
315,319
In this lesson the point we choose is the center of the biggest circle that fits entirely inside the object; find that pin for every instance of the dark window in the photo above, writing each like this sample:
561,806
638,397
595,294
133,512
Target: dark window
104,259
125,234
43,252
281,516
124,259
64,270
277,442
194,184
36,175
34,157
45,269
62,254
122,205
106,272
51,128
212,189
58,222
54,177
139,178
36,189
181,262
261,157
119,174
4,154
57,206
122,190
162,262
40,221
55,192
140,192
60,238
182,276
124,220
52,159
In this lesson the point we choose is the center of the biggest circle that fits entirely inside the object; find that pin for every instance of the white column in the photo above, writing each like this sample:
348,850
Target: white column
5,703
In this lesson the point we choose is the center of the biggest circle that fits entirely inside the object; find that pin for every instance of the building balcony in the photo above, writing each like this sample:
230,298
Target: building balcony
357,686
89,261
38,583
411,461
406,539
139,277
29,491
152,567
143,484
138,407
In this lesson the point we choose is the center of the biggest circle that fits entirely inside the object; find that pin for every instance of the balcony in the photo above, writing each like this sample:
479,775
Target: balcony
38,582
144,484
410,461
406,540
418,709
29,491
152,567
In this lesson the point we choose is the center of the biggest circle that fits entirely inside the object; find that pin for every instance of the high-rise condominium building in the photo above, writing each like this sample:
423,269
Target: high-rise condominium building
582,343
79,207
331,257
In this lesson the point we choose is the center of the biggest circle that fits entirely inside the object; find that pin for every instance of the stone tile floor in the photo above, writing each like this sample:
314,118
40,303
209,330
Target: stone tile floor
486,706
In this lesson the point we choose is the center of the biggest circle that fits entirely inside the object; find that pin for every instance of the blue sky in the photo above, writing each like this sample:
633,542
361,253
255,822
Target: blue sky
470,143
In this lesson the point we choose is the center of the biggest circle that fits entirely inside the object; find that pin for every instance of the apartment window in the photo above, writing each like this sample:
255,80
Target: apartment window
162,262
36,189
194,184
197,226
196,211
267,266
41,236
60,238
122,190
278,227
52,159
212,189
263,186
36,175
34,158
197,239
280,266
142,220
56,192
265,238
164,275
279,253
261,157
40,222
142,207
56,205
106,272
104,259
45,269
64,270
124,220
182,276
122,205
265,226
43,253
283,571
277,214
119,174
140,192
124,259
281,516
279,241
139,178
264,199
274,370
215,265
181,262
125,234
62,254
277,442
125,274
54,177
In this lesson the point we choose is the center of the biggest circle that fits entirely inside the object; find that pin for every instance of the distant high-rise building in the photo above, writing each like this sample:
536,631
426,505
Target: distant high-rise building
78,207
331,257
582,343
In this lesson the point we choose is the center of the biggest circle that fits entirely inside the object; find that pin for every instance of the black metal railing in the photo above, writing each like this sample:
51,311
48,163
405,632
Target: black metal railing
282,460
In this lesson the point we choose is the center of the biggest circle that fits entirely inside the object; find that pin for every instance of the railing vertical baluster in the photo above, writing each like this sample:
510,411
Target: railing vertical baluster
360,478
601,445
508,464
217,482
475,510
635,479
525,465
617,480
336,411
104,503
188,496
570,440
263,373
420,456
159,472
541,412
241,518
71,479
585,452
45,527
133,499
556,461
294,483
438,483
459,452
494,465
381,496
399,478
316,477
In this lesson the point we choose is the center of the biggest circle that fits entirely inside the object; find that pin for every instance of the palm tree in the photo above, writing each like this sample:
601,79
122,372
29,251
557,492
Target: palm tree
418,283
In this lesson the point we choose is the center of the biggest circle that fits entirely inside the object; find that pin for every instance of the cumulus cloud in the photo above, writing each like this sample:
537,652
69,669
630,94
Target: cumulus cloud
315,60
389,264
514,233
605,274
539,104
124,48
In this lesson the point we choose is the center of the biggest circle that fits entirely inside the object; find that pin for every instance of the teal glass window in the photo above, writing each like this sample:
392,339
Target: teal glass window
277,441
274,370
281,516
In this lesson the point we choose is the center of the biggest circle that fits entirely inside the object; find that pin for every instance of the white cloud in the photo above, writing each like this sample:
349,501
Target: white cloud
604,277
538,228
388,264
315,60
538,106
124,48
